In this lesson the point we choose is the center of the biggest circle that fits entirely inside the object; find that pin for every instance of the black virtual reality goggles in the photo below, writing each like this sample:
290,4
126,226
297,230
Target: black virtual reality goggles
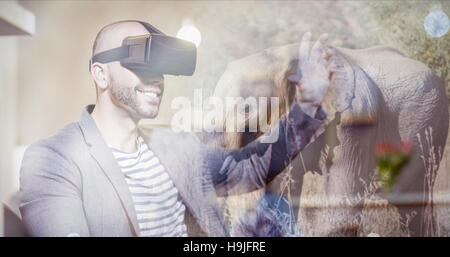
153,54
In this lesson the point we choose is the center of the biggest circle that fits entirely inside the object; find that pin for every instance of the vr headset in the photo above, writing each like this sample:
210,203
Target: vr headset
153,54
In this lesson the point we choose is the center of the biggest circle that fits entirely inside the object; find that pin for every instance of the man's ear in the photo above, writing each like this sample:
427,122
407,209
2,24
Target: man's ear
99,73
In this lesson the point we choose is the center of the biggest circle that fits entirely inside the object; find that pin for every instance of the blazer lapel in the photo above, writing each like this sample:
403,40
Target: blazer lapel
104,157
182,159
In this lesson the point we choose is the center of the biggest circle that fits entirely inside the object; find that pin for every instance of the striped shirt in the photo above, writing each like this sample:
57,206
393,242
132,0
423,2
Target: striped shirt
159,209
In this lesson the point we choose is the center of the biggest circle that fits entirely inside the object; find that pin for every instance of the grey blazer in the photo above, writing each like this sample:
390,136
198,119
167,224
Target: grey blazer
71,184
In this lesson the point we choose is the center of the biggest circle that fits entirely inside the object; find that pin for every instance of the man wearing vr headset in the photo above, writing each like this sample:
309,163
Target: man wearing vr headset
103,176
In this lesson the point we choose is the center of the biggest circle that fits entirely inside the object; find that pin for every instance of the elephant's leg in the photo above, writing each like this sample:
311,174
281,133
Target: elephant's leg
308,190
352,168
409,196
412,193
427,112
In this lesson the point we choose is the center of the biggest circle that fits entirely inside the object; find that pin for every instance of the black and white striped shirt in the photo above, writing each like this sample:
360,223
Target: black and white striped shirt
159,209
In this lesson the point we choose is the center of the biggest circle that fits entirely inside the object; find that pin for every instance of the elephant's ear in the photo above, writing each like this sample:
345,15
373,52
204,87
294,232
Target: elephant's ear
357,96
343,86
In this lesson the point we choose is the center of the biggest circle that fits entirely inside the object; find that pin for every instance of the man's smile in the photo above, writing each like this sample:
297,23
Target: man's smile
152,93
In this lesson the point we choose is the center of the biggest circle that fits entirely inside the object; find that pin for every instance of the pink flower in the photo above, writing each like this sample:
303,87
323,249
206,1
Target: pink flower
406,147
384,147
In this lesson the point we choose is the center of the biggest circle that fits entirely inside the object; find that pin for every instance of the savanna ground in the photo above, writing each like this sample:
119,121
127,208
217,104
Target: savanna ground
351,24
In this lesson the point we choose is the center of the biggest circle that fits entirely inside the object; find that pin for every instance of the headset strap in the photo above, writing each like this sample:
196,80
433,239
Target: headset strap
115,54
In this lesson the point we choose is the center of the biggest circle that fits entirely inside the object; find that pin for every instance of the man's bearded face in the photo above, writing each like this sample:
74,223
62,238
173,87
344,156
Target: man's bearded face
141,97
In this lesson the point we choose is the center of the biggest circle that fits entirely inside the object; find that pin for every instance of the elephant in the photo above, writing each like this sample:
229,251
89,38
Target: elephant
376,94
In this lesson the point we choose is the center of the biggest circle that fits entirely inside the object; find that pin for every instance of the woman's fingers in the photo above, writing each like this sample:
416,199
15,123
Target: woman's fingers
304,49
318,48
325,60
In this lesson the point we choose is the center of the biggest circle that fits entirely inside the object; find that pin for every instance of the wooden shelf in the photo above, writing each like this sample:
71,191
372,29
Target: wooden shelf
15,20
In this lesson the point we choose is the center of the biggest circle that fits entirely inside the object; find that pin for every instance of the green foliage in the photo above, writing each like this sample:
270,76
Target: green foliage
400,24
390,162
241,28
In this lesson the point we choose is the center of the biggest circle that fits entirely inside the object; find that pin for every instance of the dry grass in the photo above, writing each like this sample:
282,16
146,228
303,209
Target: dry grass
400,24
351,24
441,191
322,215
431,163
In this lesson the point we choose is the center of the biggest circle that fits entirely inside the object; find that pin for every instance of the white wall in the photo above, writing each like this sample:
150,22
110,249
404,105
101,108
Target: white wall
8,86
14,20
